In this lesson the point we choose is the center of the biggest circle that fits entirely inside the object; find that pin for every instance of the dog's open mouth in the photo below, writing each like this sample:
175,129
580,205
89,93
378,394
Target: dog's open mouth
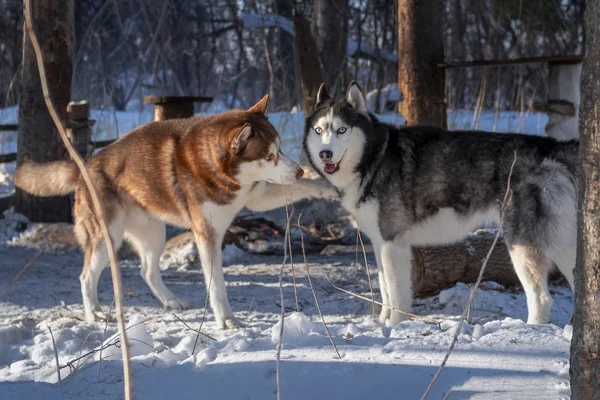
331,168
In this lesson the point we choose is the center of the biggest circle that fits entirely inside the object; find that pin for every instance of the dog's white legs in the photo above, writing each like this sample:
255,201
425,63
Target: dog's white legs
209,247
565,258
148,237
397,274
385,311
96,258
532,267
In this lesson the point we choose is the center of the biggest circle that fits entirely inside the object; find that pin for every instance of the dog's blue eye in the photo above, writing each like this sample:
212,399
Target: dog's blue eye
342,130
318,130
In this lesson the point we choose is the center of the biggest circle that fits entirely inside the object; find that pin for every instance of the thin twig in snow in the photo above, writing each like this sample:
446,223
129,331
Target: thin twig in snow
55,356
362,246
281,298
288,217
21,272
208,287
312,289
248,314
358,296
103,336
192,329
115,271
503,206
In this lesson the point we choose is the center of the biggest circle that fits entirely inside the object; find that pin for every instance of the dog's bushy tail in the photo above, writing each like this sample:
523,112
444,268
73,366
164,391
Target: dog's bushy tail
50,179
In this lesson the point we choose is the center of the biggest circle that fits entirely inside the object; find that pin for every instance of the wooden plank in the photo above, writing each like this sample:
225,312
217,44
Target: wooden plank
103,143
6,158
571,59
10,157
176,99
9,127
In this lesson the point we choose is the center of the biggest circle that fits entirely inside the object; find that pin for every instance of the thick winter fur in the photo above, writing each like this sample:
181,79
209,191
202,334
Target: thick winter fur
195,173
50,179
428,186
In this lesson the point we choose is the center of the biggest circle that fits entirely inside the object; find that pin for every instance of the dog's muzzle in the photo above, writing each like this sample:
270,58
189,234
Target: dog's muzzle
330,167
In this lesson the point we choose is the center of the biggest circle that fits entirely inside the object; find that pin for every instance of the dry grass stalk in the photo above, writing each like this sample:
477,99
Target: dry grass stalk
114,266
358,296
362,246
288,217
312,289
55,356
192,329
473,292
281,297
208,286
21,272
103,336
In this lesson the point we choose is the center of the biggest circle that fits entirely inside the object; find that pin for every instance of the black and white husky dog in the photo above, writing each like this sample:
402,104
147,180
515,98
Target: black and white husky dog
427,186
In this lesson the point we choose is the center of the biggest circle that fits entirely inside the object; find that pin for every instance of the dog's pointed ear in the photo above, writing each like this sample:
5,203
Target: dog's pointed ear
356,98
261,106
241,139
322,95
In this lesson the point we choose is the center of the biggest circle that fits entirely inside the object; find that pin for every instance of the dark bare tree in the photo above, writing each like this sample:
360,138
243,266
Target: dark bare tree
330,31
310,71
585,346
39,140
420,46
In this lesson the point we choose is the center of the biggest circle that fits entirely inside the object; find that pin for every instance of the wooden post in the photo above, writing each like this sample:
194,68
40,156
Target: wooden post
563,100
170,107
79,127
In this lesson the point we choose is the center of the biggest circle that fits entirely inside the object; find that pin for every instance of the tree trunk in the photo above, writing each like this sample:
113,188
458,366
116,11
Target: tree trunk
585,346
286,83
420,46
310,71
330,31
38,138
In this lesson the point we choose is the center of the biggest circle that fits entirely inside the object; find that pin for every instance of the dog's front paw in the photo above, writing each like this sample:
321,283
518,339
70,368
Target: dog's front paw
330,193
96,315
229,323
325,190
177,304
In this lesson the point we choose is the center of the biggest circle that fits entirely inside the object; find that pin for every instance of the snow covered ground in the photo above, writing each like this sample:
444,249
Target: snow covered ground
498,356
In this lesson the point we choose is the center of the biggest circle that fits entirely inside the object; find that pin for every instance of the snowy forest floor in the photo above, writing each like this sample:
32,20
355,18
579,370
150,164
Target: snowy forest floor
498,356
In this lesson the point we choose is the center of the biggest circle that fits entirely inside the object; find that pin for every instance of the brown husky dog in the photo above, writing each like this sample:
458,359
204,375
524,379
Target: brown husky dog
194,173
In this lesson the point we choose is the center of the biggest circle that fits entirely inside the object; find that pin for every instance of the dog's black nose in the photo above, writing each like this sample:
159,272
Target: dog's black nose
326,155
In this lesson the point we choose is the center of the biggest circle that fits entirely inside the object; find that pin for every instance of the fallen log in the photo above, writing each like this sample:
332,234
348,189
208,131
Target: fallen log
436,268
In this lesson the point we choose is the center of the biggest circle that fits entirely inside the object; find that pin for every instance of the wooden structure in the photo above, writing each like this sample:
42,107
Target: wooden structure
79,126
169,107
562,106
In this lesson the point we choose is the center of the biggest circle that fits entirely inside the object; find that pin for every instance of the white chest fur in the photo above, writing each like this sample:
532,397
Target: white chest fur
220,216
366,214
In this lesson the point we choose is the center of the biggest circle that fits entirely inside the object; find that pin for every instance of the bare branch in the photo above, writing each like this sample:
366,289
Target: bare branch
116,273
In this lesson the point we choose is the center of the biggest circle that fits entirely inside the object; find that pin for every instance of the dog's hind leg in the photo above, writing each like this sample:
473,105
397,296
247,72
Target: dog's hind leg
148,236
96,259
397,269
532,266
565,257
